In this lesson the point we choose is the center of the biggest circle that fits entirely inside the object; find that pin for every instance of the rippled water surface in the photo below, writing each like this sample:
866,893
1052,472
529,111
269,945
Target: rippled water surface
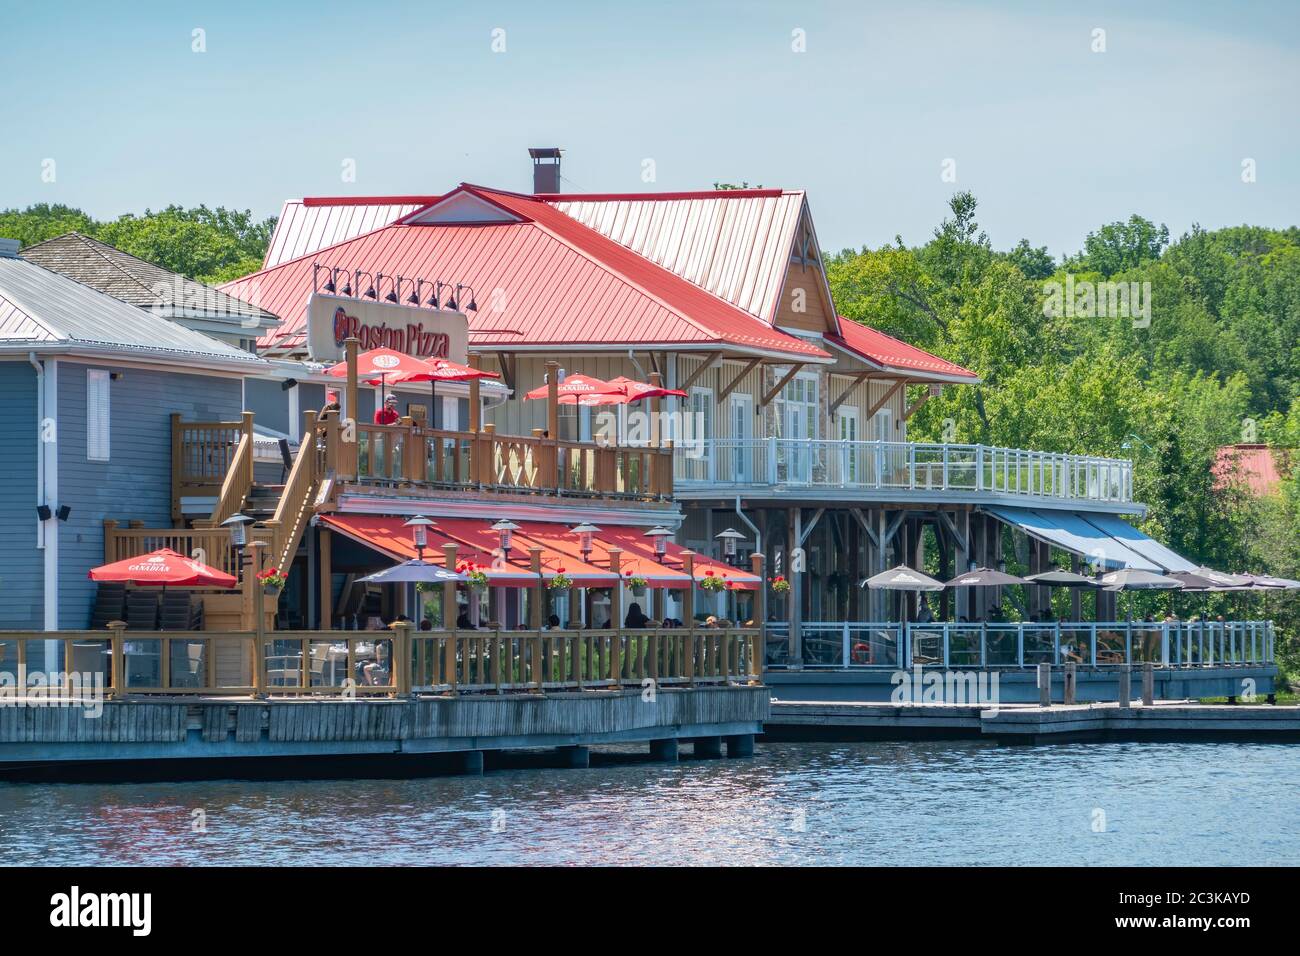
795,804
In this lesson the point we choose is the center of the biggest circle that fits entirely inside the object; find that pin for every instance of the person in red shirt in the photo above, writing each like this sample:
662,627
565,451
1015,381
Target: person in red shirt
388,414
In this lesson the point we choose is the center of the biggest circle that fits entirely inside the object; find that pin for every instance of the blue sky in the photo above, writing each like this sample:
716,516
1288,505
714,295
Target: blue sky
1053,138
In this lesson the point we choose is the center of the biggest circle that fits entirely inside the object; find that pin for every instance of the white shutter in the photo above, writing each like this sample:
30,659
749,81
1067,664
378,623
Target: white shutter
97,414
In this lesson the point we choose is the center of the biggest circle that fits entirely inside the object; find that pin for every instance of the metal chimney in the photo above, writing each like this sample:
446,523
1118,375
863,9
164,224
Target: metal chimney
546,169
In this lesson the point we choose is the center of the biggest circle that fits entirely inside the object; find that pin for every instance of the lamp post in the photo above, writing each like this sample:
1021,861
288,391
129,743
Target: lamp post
584,532
505,528
661,536
729,538
419,526
238,525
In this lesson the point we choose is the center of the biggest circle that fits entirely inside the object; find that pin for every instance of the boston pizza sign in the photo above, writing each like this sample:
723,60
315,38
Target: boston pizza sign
424,333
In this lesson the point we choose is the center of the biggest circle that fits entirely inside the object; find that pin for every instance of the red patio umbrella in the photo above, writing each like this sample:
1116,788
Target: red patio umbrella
577,385
384,363
633,391
441,370
163,567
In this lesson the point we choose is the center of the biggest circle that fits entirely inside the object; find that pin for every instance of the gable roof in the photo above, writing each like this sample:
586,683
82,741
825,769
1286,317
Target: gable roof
42,309
735,243
316,223
895,355
542,280
137,281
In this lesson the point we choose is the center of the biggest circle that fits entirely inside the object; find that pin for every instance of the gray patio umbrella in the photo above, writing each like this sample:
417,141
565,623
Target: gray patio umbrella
413,570
1203,579
1268,582
983,578
902,578
1133,579
1062,579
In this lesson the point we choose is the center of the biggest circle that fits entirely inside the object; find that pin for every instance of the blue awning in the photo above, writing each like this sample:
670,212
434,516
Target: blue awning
1135,540
1078,533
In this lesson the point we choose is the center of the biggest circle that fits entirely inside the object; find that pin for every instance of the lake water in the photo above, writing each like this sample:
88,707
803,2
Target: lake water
793,804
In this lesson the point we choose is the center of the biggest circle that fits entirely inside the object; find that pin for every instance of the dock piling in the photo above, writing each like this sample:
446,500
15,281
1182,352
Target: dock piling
1126,685
740,745
710,747
578,757
1070,683
1148,684
664,750
1045,685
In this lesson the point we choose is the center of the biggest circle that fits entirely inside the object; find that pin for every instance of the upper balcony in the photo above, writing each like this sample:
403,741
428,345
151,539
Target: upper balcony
809,469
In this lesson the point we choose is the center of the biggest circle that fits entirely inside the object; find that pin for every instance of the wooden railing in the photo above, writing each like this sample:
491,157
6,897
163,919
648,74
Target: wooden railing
209,545
295,508
212,459
359,663
409,453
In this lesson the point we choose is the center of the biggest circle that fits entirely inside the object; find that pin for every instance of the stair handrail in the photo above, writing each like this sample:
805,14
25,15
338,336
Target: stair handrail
239,478
292,512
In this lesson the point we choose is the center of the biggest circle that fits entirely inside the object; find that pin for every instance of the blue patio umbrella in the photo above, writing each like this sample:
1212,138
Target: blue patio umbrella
413,570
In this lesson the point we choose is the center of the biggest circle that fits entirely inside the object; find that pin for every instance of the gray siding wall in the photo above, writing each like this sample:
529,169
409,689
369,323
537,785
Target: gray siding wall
269,404
136,482
21,562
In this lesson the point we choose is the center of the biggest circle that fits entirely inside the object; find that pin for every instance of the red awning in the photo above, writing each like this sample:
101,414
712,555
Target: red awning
560,538
475,542
633,541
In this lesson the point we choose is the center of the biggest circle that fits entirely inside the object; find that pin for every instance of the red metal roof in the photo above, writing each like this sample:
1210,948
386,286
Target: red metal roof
1256,465
895,354
545,280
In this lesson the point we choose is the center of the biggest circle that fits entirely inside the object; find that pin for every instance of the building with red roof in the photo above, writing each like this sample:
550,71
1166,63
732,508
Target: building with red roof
793,428
1259,467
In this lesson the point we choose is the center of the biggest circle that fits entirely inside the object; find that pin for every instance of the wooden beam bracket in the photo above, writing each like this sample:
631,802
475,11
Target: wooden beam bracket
727,390
776,389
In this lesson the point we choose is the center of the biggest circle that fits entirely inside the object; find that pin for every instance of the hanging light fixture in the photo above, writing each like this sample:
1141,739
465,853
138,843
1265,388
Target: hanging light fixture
584,532
329,283
419,526
661,536
451,300
393,289
473,306
729,539
414,297
437,291
505,529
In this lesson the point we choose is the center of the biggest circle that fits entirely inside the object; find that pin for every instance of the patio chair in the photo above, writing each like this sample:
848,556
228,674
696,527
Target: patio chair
176,613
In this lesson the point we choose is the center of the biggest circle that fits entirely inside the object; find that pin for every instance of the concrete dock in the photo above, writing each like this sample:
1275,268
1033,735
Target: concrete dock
1030,723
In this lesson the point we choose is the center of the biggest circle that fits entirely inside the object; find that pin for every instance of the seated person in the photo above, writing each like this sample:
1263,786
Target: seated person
552,623
426,625
376,672
635,616
463,623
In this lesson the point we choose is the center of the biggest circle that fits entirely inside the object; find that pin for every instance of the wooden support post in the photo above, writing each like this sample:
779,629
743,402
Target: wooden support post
539,599
324,556
1071,682
449,588
259,618
1045,685
1148,683
117,659
553,399
655,404
1125,684
616,616
246,426
475,404
688,618
759,649
401,658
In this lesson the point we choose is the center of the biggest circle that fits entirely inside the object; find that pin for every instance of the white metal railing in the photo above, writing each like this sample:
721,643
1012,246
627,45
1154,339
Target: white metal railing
1182,644
901,466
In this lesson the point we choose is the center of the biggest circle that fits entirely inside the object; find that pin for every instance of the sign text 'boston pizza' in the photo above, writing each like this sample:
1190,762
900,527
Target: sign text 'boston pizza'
424,333
411,338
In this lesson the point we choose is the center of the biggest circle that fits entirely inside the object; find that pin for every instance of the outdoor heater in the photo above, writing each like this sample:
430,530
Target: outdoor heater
584,532
661,536
238,524
419,526
505,528
729,538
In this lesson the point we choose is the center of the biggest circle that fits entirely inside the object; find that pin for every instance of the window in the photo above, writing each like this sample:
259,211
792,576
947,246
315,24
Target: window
97,414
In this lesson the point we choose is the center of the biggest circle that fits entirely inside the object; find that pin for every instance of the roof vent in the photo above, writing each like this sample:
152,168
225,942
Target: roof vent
546,168
9,248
